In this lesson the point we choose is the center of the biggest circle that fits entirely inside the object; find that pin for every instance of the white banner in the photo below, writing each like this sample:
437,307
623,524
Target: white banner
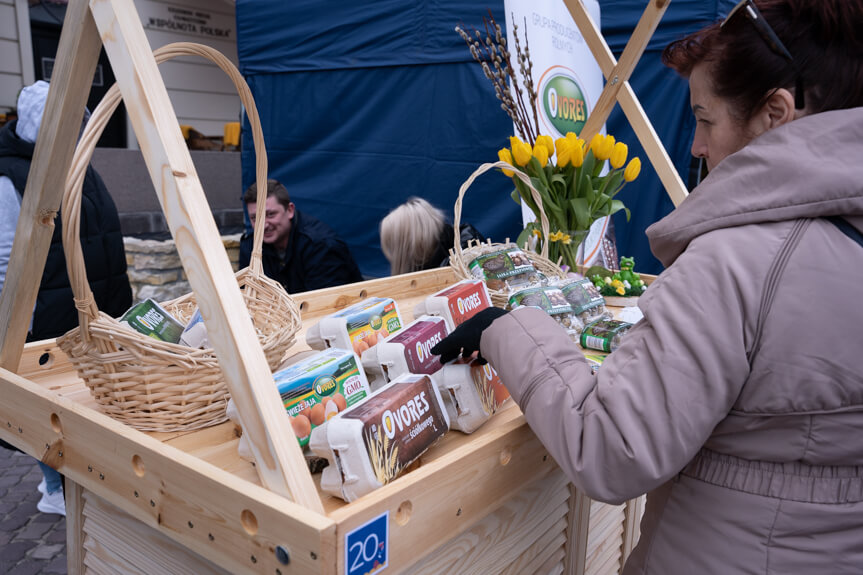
568,80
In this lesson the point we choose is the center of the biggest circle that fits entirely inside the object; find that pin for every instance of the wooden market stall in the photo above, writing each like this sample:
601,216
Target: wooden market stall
185,502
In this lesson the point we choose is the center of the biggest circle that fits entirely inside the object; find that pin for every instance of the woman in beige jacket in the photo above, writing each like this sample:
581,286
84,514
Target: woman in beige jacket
737,402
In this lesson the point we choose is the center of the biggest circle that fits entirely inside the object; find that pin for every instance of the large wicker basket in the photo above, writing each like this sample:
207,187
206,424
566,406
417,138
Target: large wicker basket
460,258
146,383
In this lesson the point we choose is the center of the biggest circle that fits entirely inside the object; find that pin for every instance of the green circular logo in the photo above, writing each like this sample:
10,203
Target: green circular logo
376,322
563,103
325,385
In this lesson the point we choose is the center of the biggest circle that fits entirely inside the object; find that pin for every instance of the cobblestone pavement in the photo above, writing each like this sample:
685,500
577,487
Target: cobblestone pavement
31,542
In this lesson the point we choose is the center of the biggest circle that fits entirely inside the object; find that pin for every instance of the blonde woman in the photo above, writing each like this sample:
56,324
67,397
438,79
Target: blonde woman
416,236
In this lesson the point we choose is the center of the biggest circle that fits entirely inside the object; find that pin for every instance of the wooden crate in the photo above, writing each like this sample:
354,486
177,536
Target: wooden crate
490,502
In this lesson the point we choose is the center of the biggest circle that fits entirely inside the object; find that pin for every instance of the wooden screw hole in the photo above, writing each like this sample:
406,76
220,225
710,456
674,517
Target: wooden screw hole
55,423
403,514
249,521
363,294
138,466
46,360
304,305
505,456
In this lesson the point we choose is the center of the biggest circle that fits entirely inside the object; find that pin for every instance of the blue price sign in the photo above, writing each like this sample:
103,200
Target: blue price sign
366,550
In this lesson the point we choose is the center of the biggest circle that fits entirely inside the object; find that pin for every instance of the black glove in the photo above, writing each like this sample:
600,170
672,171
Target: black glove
465,338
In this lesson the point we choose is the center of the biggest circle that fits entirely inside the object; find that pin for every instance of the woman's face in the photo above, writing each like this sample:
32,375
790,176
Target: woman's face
717,133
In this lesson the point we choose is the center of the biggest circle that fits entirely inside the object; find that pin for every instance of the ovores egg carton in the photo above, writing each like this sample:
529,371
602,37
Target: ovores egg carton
407,351
357,327
370,444
457,303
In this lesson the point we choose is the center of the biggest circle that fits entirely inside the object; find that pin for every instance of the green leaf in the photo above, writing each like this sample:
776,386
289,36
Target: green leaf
616,206
516,197
581,209
525,234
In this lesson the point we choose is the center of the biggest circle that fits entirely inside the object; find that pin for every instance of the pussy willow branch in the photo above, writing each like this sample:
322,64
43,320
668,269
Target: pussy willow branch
491,53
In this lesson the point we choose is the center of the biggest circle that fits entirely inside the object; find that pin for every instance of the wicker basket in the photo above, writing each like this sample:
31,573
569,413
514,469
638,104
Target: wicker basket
146,383
460,258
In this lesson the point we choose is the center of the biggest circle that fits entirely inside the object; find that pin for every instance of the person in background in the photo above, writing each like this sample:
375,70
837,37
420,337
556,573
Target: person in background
101,240
416,236
737,402
300,252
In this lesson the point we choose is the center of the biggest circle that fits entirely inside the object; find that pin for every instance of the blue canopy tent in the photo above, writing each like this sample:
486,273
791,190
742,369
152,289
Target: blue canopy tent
363,106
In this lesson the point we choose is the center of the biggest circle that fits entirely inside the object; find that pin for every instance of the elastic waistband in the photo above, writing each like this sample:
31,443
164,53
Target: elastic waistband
829,484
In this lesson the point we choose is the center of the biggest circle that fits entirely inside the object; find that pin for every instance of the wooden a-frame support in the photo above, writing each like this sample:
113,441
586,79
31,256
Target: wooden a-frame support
617,88
115,24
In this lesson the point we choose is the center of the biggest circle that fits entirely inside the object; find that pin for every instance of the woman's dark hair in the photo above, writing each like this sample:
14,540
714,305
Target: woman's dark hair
823,36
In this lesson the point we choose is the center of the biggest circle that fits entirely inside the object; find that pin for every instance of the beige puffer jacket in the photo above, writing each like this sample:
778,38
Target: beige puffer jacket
738,401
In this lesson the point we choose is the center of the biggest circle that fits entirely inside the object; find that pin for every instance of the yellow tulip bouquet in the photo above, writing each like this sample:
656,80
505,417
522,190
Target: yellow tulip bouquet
573,192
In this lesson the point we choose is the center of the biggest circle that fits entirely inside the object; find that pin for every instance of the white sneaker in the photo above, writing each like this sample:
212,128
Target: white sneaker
52,503
42,487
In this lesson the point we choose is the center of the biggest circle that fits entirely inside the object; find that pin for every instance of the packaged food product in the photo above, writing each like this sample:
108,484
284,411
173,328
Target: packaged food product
318,387
457,303
356,327
551,300
195,334
151,319
370,444
604,334
506,267
407,351
472,393
586,301
594,360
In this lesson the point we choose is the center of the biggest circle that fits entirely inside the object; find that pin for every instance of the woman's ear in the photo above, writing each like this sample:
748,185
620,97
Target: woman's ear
777,110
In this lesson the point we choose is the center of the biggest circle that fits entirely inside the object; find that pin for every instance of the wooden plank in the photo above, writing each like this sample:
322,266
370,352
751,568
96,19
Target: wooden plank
505,534
8,24
77,55
577,531
74,528
134,546
175,493
548,550
623,69
229,327
631,526
630,105
28,74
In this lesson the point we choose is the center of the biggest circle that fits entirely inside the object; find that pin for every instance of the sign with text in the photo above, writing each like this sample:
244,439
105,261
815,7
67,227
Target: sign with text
187,20
367,548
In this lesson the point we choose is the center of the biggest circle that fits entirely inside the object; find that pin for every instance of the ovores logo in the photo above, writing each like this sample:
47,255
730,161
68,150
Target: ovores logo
420,353
562,101
325,385
460,304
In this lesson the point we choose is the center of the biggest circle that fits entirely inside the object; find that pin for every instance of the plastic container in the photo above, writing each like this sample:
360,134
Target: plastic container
471,392
457,303
604,334
356,327
320,386
505,267
408,351
552,301
370,444
586,301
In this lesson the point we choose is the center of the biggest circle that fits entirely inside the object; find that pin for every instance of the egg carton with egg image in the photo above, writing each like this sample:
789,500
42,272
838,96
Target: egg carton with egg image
320,386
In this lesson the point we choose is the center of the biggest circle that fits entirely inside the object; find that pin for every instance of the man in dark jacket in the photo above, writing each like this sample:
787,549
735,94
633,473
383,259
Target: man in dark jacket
300,251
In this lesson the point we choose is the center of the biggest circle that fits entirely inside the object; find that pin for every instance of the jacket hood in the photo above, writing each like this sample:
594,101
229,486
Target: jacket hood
31,105
811,167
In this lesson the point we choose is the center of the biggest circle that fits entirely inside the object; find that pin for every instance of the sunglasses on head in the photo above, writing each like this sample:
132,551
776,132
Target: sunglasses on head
748,9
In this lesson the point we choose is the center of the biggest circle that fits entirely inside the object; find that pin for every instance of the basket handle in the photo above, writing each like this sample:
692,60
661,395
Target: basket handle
523,177
71,205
